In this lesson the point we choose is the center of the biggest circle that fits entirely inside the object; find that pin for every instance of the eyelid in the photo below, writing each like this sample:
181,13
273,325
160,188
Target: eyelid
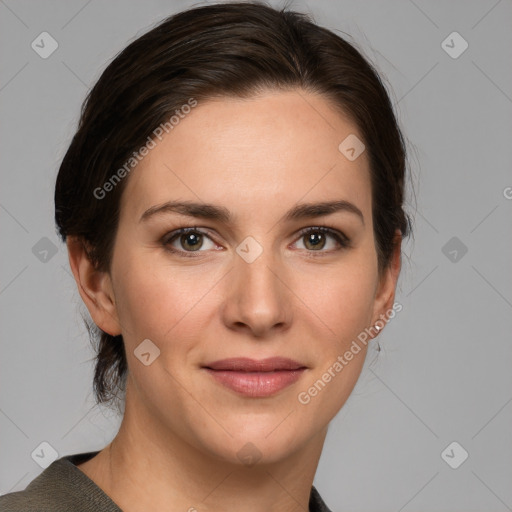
340,237
168,237
324,228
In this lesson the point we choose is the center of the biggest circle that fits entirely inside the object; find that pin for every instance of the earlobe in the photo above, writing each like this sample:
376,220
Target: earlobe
94,286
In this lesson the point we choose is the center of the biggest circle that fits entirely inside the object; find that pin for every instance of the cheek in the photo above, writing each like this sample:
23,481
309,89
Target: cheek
147,302
158,301
155,299
343,308
341,299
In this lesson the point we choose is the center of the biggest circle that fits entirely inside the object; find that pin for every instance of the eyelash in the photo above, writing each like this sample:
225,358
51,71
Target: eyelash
342,240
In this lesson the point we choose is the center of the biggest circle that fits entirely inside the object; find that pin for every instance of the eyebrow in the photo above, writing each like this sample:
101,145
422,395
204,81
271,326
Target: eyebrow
222,214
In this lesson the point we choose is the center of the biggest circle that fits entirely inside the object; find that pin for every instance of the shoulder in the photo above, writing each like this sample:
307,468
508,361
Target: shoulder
61,487
316,503
44,493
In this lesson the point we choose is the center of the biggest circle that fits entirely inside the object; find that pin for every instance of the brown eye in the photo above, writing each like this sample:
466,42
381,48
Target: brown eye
191,240
317,238
187,240
314,240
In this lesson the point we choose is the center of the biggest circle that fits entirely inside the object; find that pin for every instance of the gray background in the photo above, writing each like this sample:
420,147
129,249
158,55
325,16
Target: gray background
444,372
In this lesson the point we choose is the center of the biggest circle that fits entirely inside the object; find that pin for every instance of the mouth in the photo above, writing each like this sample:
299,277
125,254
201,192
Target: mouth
256,378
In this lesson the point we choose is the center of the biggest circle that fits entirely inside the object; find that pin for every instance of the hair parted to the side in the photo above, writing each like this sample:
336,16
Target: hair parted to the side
219,50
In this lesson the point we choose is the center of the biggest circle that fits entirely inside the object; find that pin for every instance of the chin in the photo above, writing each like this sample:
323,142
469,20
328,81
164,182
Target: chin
261,442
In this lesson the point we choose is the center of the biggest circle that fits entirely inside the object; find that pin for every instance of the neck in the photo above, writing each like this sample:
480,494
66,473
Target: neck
149,467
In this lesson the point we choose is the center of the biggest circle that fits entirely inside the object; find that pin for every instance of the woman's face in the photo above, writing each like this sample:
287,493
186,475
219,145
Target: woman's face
251,286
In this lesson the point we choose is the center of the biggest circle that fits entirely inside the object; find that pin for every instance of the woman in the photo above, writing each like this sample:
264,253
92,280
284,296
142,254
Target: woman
232,208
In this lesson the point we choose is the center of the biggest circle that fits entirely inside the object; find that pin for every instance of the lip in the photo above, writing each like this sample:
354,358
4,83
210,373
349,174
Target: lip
256,378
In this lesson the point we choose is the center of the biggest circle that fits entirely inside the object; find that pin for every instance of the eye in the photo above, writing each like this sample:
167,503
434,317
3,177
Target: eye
190,239
316,239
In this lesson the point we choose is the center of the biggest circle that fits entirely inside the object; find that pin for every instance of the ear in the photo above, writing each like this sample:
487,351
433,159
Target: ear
385,293
95,287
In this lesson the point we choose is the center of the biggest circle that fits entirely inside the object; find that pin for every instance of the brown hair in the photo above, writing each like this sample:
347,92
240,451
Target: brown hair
228,49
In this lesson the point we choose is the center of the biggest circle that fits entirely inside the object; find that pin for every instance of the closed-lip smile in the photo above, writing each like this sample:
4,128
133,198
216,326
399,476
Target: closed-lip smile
256,378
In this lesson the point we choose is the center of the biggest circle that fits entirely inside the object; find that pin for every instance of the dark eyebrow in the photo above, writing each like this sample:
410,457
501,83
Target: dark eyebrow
221,214
311,210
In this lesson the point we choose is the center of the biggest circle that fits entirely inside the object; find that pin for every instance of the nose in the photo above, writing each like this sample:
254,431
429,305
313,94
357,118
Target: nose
258,301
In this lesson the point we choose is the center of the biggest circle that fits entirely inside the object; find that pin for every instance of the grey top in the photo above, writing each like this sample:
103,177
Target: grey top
62,487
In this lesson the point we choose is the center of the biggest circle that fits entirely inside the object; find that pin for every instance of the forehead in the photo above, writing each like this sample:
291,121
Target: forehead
256,154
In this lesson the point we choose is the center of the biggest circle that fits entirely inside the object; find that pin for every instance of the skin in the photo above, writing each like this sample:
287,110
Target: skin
181,430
